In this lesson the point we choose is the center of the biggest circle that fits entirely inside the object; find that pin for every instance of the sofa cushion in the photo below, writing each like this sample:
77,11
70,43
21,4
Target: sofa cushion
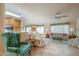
24,49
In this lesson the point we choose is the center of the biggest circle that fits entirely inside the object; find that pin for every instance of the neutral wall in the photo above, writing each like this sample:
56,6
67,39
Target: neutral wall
77,27
1,27
73,26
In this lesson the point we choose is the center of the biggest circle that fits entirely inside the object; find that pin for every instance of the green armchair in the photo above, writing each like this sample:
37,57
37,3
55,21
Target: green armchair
13,46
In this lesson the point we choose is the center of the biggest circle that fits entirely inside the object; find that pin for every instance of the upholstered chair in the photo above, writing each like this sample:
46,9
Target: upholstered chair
13,46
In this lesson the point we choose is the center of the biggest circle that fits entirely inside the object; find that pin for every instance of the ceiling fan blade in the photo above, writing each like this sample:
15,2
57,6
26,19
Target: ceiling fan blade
64,16
61,16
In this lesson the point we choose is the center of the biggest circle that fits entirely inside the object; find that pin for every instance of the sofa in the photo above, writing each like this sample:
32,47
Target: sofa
13,46
74,42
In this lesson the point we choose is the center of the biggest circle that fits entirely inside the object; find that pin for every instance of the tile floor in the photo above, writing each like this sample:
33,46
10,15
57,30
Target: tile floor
55,48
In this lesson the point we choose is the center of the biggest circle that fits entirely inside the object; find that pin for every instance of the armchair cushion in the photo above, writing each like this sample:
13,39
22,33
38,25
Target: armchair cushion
24,49
12,49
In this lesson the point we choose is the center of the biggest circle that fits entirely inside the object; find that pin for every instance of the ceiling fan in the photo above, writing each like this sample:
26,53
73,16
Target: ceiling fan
60,15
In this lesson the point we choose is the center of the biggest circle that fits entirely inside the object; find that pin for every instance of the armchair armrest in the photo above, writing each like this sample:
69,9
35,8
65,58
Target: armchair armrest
24,42
12,49
27,41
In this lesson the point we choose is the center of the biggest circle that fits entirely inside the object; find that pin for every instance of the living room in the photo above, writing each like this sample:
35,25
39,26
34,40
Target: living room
44,29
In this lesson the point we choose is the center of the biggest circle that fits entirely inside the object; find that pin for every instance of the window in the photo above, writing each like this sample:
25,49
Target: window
40,29
23,29
66,29
8,28
28,29
63,28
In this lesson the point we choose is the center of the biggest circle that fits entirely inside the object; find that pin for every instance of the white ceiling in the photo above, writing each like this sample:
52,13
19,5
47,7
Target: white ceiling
43,13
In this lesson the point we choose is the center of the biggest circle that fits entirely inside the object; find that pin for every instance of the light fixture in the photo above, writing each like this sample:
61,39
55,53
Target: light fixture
12,14
71,29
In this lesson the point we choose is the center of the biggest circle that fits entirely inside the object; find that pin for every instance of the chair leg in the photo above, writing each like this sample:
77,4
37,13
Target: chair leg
17,52
29,52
